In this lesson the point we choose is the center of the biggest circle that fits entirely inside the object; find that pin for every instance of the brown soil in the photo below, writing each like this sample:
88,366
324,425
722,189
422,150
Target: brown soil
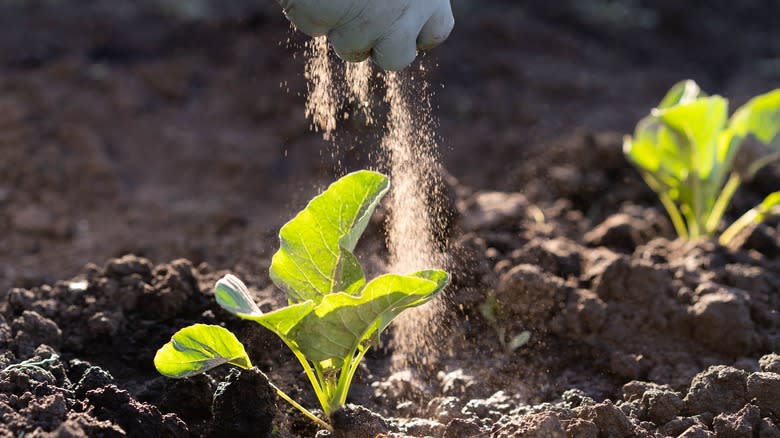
181,140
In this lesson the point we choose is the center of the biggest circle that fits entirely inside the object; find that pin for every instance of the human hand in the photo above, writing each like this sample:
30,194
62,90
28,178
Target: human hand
389,31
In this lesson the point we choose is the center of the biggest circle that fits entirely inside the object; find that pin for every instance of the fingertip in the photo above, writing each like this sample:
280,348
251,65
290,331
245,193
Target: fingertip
348,47
437,29
393,54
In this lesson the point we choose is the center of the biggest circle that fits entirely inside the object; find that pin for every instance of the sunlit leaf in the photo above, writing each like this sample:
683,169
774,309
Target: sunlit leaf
198,348
681,93
315,258
342,321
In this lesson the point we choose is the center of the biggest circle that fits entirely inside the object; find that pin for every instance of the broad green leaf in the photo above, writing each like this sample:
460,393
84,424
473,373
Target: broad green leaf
700,122
315,258
341,322
198,348
759,117
681,93
282,321
660,152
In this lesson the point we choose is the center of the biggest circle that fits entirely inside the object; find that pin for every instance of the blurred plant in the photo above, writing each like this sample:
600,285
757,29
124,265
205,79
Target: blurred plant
694,157
510,343
334,316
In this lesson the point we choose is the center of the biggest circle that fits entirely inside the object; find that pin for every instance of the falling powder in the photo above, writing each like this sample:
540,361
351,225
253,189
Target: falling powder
409,151
322,100
410,148
358,76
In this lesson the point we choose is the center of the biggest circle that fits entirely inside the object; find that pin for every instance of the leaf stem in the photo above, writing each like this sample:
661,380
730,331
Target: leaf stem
737,227
303,410
345,380
722,203
671,208
315,383
674,214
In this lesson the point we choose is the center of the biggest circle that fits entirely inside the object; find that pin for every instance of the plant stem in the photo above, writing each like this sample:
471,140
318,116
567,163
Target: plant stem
740,224
315,383
674,215
722,203
345,380
303,410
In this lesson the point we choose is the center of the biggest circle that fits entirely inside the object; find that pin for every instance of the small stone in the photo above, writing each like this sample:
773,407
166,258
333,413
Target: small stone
537,425
579,428
717,389
619,231
742,424
696,431
661,406
244,404
93,378
460,428
764,388
770,363
767,429
721,320
610,420
353,421
32,330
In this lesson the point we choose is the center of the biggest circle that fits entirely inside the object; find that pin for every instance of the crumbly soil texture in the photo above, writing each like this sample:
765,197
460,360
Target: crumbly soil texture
148,149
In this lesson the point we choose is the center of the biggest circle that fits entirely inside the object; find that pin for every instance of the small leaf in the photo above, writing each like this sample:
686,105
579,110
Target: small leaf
768,206
519,340
681,93
198,348
315,258
489,309
232,295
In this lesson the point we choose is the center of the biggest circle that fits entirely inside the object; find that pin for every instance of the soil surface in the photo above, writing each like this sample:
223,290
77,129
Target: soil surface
149,148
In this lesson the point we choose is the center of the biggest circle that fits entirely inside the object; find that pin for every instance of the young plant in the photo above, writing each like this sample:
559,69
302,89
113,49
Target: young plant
694,157
490,310
334,316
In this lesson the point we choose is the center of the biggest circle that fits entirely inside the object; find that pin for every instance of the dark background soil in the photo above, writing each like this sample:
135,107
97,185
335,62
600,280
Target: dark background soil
173,132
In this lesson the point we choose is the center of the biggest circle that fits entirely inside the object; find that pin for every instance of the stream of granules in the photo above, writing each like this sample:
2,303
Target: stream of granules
409,152
322,101
410,149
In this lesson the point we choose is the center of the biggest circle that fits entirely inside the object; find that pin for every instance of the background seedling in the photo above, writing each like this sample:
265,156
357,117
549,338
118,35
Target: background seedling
694,157
334,316
510,343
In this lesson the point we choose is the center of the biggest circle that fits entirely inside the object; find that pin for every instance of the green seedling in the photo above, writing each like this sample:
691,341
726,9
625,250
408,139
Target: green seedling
333,315
695,157
510,343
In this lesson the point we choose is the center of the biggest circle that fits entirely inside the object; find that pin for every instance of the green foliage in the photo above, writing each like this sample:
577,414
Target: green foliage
694,157
334,316
198,348
490,310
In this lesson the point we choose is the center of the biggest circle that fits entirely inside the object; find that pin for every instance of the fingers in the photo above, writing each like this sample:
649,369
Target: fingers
396,50
437,28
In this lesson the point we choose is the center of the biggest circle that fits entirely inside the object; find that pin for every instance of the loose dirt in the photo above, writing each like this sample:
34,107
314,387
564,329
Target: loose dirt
129,131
